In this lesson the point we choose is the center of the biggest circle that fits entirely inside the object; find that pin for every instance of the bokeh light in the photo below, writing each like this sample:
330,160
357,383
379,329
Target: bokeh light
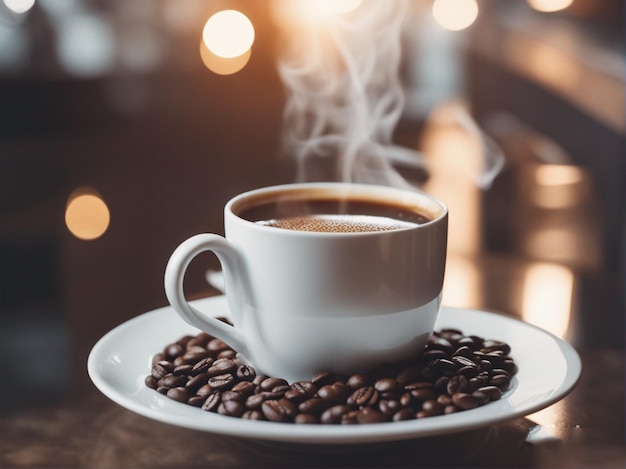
86,45
344,6
221,65
228,34
549,5
86,215
455,15
298,13
19,6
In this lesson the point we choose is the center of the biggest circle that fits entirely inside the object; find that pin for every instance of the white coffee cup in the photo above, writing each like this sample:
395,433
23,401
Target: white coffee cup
303,302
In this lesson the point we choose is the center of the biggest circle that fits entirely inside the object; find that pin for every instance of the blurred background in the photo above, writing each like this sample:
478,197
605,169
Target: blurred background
126,126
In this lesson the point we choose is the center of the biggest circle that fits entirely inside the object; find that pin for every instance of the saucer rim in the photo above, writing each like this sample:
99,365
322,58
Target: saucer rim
171,412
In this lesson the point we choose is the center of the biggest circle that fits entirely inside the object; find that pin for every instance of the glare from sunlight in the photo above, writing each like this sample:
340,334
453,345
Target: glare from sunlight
86,215
19,6
228,34
221,65
455,15
549,5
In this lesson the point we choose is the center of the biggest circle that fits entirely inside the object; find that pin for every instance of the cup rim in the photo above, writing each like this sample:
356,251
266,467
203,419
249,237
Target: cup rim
435,208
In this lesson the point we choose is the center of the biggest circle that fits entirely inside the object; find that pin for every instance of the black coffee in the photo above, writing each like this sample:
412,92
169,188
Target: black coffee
334,216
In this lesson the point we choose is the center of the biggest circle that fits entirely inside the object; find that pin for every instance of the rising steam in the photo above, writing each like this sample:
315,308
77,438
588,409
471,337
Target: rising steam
341,72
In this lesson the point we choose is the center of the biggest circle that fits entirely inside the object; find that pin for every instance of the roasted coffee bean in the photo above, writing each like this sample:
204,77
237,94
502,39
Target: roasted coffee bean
216,346
441,384
270,383
196,401
151,382
496,346
422,394
197,381
333,414
314,406
462,361
182,370
450,409
433,354
444,366
369,415
280,390
281,410
253,415
496,359
255,401
494,393
444,399
469,343
332,393
230,354
245,388
162,389
481,397
220,382
439,343
222,366
404,414
178,394
162,368
173,351
306,419
300,391
357,381
485,365
451,335
387,385
171,381
233,396
204,390
464,351
407,400
323,378
430,409
187,359
350,418
199,340
510,366
364,397
500,381
245,373
231,408
389,407
465,401
456,384
500,371
468,371
202,366
212,401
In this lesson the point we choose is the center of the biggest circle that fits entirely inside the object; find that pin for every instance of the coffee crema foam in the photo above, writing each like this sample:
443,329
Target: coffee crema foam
344,223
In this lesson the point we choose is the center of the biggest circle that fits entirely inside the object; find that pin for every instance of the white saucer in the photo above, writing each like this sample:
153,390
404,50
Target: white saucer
548,369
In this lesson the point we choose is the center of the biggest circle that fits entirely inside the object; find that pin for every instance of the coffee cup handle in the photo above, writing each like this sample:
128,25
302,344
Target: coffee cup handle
232,264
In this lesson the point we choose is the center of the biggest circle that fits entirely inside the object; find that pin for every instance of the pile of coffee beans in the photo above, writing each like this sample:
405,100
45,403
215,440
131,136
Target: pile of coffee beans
454,373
